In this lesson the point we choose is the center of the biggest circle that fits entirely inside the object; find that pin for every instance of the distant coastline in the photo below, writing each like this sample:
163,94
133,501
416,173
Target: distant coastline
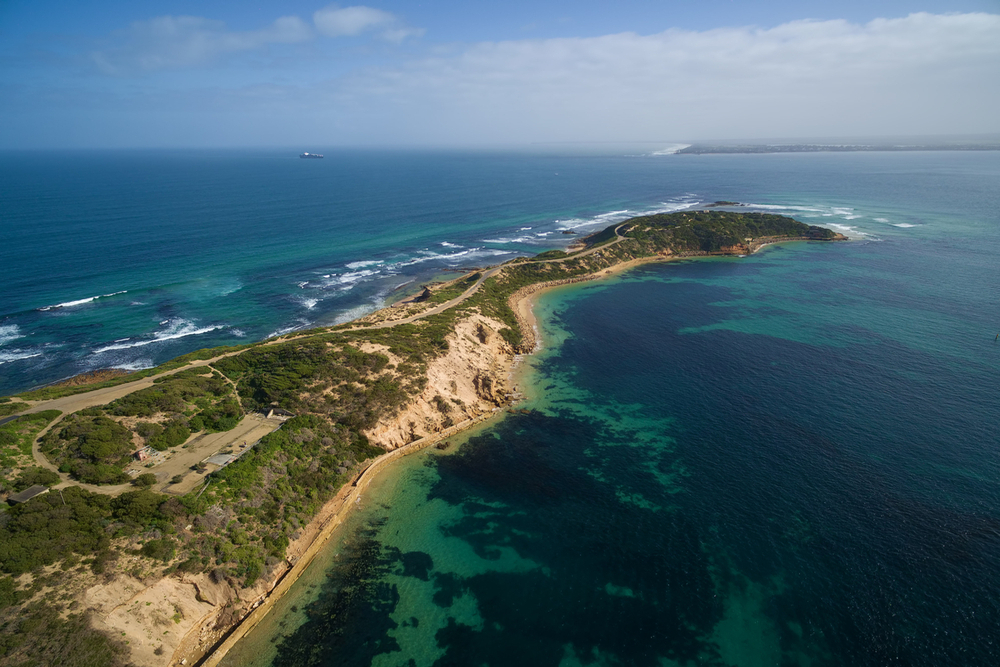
730,149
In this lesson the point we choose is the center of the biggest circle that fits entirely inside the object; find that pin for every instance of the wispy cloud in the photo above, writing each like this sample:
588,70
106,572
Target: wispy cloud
335,21
182,41
173,42
919,73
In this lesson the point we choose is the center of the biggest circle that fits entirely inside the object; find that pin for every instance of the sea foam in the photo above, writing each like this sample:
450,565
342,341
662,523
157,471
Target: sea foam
175,328
80,302
9,332
8,356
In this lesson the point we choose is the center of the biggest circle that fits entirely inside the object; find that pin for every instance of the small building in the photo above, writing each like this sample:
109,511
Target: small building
27,494
141,455
279,412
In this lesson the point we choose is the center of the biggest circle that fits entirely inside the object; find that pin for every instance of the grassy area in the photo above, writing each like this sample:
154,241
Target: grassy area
454,289
9,407
49,393
15,442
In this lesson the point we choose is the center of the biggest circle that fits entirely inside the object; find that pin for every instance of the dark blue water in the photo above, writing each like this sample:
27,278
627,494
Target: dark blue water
190,249
786,459
127,259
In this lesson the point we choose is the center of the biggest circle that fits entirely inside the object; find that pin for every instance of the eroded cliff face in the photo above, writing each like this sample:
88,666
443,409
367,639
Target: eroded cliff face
173,616
467,381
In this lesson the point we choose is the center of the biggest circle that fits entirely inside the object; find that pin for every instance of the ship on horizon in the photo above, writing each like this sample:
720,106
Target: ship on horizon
310,155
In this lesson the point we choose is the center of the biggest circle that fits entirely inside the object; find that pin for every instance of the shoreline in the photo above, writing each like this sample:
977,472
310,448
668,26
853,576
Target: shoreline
333,514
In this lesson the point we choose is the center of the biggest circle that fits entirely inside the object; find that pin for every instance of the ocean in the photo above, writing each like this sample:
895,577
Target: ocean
126,259
784,459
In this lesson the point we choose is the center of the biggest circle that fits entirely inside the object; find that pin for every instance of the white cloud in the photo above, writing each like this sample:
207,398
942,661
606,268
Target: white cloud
182,41
921,73
334,21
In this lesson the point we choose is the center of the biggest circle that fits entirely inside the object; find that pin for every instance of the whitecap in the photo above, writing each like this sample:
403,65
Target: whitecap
452,245
355,313
353,266
309,303
881,220
239,333
177,328
9,332
346,281
8,356
903,224
233,286
299,324
778,207
847,230
137,365
80,302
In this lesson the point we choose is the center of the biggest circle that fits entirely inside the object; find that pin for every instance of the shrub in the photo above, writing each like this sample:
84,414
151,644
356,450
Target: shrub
162,549
145,480
35,475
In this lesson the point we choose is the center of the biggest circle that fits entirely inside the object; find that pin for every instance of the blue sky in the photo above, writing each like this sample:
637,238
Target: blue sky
474,73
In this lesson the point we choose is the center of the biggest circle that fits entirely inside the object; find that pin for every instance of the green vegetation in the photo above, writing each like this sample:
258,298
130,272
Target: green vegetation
94,446
49,393
348,386
8,407
92,449
237,525
34,476
16,438
549,255
714,231
454,289
145,480
38,635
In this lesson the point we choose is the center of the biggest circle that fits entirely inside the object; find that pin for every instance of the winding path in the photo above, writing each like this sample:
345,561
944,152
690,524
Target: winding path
71,404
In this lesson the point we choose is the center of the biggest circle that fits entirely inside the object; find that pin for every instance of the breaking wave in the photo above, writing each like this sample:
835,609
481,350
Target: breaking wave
174,329
8,356
80,302
296,326
9,332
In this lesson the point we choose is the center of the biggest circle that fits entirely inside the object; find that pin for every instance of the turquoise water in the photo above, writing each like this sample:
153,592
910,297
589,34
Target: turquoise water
129,258
785,459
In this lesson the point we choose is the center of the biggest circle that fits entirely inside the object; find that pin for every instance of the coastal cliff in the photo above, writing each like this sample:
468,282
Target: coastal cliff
467,381
173,569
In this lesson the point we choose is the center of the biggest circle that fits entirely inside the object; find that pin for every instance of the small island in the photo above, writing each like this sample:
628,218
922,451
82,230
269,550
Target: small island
187,498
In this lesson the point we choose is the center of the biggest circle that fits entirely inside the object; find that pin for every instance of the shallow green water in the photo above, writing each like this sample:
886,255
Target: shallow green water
785,459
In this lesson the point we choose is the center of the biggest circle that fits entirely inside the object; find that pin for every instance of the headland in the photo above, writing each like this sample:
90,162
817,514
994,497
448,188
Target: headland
254,455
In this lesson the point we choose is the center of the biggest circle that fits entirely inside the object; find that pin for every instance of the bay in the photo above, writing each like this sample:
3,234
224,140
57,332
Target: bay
789,458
